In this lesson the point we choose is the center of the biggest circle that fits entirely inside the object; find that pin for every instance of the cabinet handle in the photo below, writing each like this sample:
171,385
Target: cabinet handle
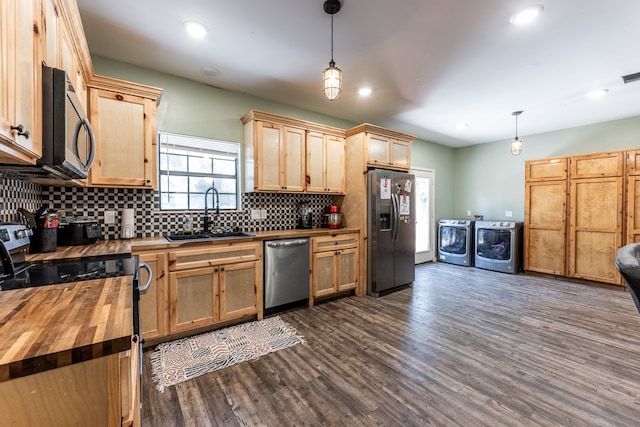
21,131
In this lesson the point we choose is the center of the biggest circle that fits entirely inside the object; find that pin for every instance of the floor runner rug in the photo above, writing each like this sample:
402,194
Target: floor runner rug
186,358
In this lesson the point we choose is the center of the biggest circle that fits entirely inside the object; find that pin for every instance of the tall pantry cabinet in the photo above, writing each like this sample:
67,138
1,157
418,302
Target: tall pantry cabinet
574,216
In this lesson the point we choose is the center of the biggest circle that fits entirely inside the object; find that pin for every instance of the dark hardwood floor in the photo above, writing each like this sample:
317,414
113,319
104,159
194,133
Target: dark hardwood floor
463,346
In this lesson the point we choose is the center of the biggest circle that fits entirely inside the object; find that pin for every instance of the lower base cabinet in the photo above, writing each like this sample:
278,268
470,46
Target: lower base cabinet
213,284
334,264
100,392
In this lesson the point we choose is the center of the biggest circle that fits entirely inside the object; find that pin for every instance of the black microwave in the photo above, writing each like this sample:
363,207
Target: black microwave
68,144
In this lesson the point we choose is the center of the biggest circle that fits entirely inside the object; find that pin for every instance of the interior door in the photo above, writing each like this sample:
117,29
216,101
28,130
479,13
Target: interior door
425,214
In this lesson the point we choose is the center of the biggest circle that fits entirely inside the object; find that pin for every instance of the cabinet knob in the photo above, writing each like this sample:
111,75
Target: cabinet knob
21,131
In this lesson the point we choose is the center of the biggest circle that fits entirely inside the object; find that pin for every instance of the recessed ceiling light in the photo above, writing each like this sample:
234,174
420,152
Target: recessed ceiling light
195,29
527,15
210,72
365,91
462,126
599,93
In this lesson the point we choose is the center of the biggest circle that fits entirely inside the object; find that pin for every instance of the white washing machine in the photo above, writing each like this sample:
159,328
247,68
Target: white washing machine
455,241
498,246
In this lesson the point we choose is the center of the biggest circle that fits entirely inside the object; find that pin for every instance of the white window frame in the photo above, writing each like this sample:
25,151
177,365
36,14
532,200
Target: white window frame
194,147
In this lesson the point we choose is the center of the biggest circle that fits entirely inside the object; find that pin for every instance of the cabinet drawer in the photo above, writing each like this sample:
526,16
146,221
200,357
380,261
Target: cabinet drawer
335,242
214,255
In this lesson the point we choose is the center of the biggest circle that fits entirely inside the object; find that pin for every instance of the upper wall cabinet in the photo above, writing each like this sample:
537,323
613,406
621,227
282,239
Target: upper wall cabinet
325,163
20,77
384,148
289,155
123,117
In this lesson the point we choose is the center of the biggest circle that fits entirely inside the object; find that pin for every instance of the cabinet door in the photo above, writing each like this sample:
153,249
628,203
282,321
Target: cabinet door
547,169
595,229
347,269
378,149
130,386
597,165
316,166
154,304
268,158
125,137
335,164
193,299
20,80
51,33
323,274
293,152
400,154
633,209
545,226
240,290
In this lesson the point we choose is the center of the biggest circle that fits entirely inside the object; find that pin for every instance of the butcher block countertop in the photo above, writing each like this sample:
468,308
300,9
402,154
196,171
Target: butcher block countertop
49,327
99,248
155,243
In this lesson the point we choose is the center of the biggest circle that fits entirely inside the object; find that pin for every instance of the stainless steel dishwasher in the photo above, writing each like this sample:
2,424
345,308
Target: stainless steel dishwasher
286,273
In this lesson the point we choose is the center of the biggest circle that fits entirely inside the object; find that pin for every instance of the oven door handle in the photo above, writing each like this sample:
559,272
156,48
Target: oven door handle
143,289
8,269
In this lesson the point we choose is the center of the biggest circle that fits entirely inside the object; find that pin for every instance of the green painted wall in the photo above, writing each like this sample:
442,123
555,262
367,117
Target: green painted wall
485,179
490,181
192,108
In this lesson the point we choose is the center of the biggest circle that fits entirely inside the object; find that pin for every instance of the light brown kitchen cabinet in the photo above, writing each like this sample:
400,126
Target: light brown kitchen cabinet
383,148
278,164
633,197
587,204
99,392
353,204
325,163
289,155
214,283
123,117
334,264
545,230
154,304
20,81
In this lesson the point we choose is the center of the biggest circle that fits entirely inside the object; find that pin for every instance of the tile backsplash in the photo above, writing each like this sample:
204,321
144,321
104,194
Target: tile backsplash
282,209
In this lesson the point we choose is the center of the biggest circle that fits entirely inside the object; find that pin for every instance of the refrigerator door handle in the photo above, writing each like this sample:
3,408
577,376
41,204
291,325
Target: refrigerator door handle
395,216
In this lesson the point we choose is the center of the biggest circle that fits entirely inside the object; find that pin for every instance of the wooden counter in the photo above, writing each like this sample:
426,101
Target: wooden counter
99,248
53,326
154,243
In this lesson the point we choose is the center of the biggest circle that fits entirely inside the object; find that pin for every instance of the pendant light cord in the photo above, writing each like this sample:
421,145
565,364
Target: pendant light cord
332,38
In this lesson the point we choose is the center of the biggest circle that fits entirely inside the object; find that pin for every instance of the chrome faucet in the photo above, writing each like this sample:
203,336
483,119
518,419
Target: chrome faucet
207,221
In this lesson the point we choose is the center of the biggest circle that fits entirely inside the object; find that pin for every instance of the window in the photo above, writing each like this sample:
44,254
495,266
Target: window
190,165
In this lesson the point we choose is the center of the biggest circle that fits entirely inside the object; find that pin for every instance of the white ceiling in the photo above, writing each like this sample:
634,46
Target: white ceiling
432,64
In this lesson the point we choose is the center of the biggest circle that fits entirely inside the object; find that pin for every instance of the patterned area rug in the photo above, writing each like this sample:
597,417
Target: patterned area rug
186,358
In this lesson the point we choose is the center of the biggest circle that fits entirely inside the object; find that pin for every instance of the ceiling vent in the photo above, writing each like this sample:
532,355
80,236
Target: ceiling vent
629,78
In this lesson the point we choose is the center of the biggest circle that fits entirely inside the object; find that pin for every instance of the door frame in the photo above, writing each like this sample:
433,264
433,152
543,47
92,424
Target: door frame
428,256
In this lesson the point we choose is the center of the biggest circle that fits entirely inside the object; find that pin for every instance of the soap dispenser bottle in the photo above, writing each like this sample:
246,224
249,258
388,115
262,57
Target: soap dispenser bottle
186,224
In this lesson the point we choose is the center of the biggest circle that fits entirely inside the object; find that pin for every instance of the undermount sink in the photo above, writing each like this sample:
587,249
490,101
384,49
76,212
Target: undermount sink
206,236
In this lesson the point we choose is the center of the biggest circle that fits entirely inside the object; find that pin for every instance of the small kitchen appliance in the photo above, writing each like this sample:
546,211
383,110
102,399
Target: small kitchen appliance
127,226
332,217
78,231
305,219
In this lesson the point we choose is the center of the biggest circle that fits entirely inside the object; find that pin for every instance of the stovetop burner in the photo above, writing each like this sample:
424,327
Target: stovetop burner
43,274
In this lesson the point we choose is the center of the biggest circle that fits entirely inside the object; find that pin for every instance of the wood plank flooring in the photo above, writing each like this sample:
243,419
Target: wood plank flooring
462,347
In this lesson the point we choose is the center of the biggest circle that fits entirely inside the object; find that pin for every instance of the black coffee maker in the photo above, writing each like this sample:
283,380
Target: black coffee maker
305,220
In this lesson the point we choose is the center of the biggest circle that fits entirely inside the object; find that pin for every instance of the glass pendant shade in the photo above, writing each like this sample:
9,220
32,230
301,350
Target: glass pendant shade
516,146
332,81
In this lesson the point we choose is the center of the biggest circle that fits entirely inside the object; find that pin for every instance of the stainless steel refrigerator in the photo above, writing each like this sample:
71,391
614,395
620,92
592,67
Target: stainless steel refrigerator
391,245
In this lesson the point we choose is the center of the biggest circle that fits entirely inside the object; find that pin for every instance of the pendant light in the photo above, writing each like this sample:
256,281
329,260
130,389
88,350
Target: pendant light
332,75
516,144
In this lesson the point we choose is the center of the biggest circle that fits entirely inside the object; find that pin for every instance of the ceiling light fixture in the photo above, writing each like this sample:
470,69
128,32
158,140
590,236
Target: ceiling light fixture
516,144
527,15
365,91
332,75
598,93
462,126
195,29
